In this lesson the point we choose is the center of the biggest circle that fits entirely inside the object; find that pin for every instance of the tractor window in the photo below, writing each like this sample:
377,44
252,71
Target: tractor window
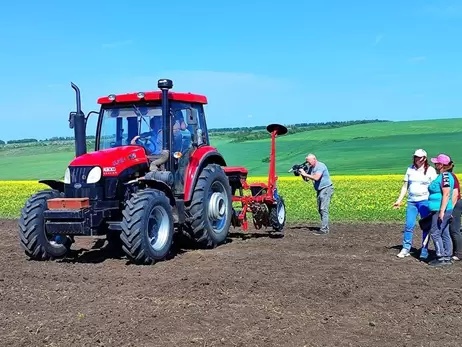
203,134
183,133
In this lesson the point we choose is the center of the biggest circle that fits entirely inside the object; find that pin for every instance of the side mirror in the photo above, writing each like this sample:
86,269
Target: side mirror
71,119
192,116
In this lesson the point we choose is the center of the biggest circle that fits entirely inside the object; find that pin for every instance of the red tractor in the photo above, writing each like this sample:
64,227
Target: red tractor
153,174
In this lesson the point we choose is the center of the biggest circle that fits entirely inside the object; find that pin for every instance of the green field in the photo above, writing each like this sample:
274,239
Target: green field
374,148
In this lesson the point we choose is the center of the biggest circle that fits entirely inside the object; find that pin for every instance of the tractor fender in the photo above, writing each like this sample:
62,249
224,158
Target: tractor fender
54,184
199,159
162,186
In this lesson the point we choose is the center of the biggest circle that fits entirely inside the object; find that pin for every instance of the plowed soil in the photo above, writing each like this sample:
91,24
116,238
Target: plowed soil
344,289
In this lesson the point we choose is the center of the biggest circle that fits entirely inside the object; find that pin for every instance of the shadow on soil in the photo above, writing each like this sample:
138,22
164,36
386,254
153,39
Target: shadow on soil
99,254
250,235
101,251
304,227
415,253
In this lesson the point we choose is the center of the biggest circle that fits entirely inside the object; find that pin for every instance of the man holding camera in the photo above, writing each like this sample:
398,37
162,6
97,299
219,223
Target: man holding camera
319,174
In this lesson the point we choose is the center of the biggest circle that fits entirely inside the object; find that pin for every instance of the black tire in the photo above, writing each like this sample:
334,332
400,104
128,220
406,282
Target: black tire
135,235
200,228
32,234
278,215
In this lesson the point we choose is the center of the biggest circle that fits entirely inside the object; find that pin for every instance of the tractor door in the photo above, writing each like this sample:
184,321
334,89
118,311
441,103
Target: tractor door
187,132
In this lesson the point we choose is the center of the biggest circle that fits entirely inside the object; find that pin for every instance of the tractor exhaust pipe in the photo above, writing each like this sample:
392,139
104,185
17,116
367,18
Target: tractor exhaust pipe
77,121
165,85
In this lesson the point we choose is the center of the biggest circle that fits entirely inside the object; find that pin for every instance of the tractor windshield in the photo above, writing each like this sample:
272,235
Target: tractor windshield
141,125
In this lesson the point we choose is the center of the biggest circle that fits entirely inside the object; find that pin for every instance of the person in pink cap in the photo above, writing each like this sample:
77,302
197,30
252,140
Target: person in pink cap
454,226
416,181
440,203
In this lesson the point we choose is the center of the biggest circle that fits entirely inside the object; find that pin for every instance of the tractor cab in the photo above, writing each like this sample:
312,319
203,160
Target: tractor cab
143,125
137,119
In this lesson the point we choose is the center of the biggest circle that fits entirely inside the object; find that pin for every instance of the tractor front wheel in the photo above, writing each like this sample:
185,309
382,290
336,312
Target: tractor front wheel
211,208
37,244
147,227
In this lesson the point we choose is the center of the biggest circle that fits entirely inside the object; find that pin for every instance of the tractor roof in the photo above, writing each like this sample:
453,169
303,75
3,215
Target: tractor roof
157,95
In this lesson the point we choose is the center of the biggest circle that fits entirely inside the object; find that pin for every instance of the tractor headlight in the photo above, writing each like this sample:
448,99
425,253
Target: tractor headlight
67,176
94,175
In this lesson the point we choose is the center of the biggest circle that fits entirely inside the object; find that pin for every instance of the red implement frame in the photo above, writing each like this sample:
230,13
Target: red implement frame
260,192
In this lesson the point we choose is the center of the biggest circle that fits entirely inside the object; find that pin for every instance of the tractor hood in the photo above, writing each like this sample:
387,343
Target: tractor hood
112,161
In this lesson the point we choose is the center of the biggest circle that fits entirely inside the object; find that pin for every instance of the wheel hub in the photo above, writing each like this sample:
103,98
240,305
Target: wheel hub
281,213
158,228
217,206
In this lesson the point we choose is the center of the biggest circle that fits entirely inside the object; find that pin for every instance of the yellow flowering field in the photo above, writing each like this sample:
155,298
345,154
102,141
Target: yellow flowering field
356,198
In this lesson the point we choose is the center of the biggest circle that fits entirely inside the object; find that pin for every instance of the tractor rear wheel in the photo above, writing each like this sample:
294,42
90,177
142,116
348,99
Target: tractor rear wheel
278,215
33,237
147,227
211,208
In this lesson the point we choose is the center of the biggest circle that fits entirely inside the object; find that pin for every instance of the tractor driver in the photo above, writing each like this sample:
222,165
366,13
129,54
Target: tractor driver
152,139
179,129
153,142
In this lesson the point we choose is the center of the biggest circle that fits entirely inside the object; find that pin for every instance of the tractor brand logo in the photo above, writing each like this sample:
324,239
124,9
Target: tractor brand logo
132,156
118,161
77,186
109,169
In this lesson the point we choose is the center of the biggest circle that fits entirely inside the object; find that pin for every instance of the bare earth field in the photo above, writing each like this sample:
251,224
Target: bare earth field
346,289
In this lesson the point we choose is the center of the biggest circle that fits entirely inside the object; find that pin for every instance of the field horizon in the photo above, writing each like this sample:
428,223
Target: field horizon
382,147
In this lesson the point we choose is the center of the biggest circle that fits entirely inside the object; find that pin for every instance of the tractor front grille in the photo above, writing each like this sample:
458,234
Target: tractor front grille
78,188
79,174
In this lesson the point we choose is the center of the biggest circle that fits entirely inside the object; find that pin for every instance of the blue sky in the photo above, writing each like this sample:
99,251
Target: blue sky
257,61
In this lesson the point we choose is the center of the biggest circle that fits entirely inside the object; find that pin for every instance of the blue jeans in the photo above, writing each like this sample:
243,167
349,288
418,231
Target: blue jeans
412,210
440,235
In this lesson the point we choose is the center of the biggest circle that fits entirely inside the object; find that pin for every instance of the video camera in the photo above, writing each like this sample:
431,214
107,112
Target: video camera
297,167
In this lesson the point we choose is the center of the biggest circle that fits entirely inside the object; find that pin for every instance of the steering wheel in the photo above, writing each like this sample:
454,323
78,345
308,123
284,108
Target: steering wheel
144,139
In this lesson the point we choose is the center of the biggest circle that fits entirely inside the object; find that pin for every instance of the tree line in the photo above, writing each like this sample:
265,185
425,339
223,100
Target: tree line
317,124
256,133
51,139
237,134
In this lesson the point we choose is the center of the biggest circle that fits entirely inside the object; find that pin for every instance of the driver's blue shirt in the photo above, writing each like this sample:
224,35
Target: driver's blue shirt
154,144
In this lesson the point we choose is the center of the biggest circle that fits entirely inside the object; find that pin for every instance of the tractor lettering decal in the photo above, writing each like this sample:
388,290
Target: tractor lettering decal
132,156
118,161
109,169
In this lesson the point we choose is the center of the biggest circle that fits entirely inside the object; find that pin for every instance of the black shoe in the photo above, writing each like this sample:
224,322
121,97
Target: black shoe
319,232
440,262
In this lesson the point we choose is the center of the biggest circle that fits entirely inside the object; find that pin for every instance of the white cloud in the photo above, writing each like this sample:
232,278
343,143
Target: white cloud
117,44
378,38
232,96
444,10
417,59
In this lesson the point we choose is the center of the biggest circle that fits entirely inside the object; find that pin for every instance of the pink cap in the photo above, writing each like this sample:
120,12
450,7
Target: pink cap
441,159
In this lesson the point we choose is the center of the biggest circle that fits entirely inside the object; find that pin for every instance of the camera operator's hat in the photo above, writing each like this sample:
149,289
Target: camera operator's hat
420,153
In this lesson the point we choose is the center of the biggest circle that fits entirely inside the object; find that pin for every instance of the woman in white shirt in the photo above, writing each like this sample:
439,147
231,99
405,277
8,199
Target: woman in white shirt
417,178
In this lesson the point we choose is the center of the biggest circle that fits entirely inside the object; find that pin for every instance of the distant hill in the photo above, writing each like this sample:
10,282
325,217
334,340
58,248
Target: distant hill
376,147
239,133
